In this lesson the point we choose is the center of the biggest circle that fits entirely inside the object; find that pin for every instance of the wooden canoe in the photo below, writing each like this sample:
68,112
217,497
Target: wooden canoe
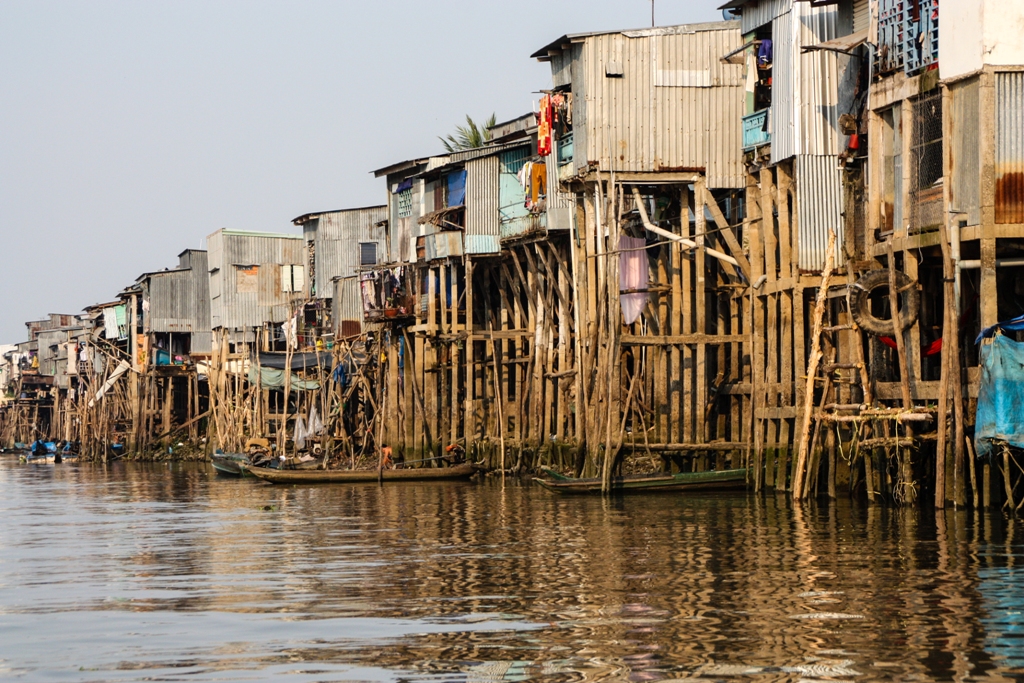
229,463
463,471
722,480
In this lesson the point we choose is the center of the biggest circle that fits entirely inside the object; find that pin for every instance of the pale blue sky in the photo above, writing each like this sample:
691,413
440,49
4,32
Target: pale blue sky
131,130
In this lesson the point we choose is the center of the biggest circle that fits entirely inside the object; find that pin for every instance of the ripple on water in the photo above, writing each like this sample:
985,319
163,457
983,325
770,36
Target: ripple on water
134,572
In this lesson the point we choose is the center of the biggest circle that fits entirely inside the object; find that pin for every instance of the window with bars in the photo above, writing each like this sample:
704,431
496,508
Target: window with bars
926,162
405,203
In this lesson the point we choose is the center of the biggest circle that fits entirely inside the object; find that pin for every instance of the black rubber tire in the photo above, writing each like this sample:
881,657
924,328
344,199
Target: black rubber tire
860,302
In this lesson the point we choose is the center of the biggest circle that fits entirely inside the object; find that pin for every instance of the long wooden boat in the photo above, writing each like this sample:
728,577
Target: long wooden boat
721,480
240,465
463,471
229,463
48,457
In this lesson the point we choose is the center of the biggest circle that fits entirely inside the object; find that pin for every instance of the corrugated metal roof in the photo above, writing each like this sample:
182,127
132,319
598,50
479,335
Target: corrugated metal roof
566,41
274,235
400,166
488,150
306,217
846,44
819,201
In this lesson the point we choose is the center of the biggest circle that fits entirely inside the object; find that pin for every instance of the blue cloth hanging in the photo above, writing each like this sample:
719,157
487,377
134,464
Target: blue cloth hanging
457,188
1000,414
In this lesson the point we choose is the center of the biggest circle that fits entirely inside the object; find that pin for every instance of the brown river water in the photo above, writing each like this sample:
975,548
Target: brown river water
131,572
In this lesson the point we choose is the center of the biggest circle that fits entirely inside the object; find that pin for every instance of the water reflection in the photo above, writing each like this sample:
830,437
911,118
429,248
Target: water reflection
142,572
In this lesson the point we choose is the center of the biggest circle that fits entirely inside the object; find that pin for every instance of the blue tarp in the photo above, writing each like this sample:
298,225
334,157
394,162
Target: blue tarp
1015,325
1000,415
457,188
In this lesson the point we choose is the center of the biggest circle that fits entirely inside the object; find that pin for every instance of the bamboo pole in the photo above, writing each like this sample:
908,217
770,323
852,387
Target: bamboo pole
800,473
908,493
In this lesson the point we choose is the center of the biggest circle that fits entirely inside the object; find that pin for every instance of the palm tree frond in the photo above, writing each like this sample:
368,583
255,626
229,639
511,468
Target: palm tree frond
469,136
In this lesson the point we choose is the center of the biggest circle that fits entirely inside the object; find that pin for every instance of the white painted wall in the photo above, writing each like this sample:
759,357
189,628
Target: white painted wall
973,34
1004,32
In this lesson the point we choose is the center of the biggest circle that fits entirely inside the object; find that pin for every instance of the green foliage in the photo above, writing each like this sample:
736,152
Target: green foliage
469,136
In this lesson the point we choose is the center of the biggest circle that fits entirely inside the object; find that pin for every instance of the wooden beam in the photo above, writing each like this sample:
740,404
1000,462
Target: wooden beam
725,230
681,339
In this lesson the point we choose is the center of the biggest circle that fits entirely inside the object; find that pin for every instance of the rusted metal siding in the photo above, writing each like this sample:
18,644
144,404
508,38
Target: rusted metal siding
336,237
442,245
676,105
228,250
965,150
760,13
347,304
482,205
819,199
1009,197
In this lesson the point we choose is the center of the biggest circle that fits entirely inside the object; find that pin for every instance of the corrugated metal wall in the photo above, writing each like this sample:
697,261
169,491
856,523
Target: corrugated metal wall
482,204
819,78
762,12
245,310
819,201
336,237
580,108
560,205
214,260
782,113
347,304
1009,198
861,15
676,105
806,86
49,342
179,300
511,193
202,342
965,150
562,66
